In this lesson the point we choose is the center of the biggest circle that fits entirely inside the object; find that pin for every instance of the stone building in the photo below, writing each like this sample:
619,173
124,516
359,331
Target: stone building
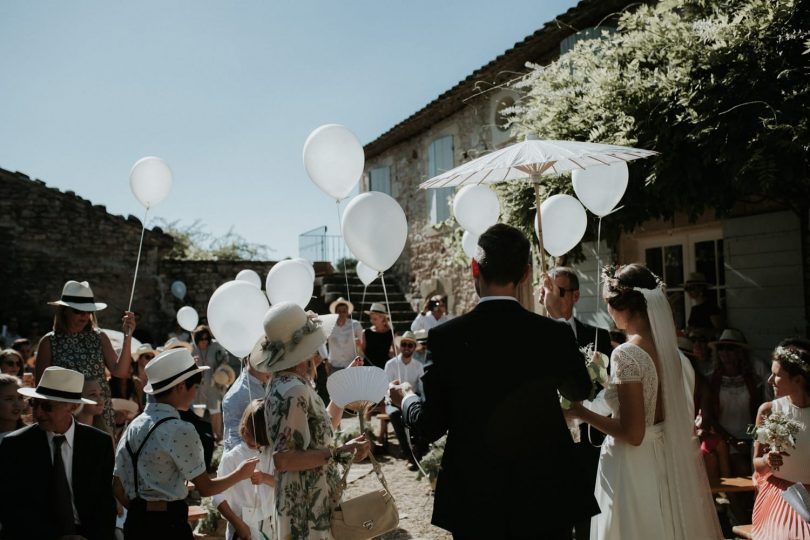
756,259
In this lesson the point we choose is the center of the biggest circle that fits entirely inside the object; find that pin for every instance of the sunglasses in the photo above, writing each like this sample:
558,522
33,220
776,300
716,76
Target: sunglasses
77,311
406,345
43,404
204,338
563,290
727,348
11,363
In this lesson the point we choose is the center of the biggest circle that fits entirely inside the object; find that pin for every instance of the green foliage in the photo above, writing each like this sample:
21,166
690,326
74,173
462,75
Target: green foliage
193,242
208,525
346,264
432,462
721,89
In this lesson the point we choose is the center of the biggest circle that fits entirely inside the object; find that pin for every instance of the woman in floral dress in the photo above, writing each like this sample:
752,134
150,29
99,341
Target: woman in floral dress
77,343
300,427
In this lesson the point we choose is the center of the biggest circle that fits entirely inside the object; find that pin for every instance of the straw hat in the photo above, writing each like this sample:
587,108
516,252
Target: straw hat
377,307
58,384
224,375
126,406
291,336
78,296
730,336
143,349
170,368
333,306
174,343
421,335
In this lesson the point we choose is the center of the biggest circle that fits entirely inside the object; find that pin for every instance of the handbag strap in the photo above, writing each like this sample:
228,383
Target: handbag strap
342,486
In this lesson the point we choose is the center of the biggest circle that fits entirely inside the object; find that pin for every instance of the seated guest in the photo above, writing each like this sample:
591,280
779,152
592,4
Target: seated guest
62,469
11,405
153,462
249,385
404,369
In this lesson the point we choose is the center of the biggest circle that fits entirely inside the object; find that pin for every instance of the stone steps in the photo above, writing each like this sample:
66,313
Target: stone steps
334,286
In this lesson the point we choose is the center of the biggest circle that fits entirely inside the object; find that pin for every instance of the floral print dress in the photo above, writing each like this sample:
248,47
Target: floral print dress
82,352
297,420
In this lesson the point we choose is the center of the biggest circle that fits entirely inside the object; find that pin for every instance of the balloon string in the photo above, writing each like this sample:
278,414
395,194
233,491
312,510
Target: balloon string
137,261
391,325
246,367
346,279
598,278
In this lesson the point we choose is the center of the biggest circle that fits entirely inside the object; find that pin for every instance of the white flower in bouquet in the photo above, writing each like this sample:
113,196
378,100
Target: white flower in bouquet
596,364
777,431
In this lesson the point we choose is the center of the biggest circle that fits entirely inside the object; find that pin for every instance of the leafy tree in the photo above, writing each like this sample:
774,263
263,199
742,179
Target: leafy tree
345,264
721,89
193,242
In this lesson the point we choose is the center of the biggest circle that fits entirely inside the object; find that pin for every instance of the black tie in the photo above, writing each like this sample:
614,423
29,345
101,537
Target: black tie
62,503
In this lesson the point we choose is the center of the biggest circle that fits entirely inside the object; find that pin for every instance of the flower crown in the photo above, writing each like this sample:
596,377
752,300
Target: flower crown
790,355
276,349
609,272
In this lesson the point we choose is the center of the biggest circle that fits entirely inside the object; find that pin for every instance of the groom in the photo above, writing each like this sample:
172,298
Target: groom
508,470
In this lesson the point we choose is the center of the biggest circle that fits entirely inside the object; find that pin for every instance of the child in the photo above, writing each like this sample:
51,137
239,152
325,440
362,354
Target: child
249,508
11,404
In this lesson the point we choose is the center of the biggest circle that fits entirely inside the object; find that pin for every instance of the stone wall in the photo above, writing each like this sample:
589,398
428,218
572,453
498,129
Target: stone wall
48,237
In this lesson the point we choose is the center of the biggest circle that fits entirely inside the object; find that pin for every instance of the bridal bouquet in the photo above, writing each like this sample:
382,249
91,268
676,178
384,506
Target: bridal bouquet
596,364
777,431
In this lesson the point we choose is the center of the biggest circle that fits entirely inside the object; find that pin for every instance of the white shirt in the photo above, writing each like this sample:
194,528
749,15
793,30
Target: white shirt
406,373
67,459
426,322
244,494
341,343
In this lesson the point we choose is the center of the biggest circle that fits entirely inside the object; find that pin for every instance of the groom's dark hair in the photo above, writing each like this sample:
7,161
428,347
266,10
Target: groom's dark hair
503,254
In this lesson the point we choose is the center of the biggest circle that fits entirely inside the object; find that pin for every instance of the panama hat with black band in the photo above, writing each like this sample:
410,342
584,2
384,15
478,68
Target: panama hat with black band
78,296
58,384
170,368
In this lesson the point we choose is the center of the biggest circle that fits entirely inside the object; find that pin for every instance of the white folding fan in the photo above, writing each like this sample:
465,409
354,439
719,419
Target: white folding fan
357,388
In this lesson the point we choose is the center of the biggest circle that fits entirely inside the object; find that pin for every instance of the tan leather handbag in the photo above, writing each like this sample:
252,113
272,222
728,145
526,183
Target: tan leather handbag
367,515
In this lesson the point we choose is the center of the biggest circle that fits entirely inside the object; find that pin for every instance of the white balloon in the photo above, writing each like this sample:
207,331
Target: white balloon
334,160
366,274
375,229
307,263
601,188
150,180
236,314
250,276
476,208
179,289
469,241
289,281
187,318
564,223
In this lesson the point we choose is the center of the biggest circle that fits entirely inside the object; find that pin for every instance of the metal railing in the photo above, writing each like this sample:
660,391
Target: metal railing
316,245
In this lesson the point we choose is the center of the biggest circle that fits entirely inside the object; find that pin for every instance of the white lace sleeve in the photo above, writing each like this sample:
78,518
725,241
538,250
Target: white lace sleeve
624,368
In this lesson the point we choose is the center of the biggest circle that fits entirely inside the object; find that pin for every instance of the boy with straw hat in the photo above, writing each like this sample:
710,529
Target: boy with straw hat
153,462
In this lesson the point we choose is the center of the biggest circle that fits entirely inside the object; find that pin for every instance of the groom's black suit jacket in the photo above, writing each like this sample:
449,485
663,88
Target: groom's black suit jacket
26,487
509,470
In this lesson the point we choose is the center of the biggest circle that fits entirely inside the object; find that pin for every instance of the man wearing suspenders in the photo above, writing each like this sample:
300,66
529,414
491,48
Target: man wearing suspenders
159,452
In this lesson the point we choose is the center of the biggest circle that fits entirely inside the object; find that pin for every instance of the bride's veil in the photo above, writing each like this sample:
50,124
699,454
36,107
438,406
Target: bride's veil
692,503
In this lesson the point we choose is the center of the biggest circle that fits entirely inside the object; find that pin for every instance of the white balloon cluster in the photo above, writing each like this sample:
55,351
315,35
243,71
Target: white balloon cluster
476,208
563,217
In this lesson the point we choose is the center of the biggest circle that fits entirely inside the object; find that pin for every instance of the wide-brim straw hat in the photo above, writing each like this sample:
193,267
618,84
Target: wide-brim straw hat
169,369
126,406
333,306
143,349
730,336
224,375
78,296
291,336
407,336
174,343
58,384
421,335
377,307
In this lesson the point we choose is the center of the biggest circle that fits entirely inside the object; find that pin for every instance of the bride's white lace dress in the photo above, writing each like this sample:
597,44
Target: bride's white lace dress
634,488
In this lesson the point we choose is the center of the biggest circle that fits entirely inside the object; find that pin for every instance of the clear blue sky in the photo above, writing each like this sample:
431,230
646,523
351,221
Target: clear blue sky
227,92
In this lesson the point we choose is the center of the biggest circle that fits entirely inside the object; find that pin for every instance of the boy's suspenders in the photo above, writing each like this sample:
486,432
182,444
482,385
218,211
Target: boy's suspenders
134,455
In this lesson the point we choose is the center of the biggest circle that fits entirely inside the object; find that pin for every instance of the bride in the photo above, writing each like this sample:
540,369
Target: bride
651,482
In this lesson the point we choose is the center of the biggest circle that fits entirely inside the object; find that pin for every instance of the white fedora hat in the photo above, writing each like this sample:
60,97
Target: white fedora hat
291,336
78,296
59,384
377,307
170,368
333,306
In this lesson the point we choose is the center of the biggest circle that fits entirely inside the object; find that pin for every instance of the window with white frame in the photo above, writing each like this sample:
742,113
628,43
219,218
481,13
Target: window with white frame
379,179
672,257
588,33
440,159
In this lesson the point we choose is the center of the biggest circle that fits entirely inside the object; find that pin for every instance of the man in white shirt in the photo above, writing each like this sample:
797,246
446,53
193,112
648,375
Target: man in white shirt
404,369
433,313
344,341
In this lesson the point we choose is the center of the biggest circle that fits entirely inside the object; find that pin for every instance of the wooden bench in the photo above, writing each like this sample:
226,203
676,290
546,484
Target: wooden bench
196,513
738,484
742,531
